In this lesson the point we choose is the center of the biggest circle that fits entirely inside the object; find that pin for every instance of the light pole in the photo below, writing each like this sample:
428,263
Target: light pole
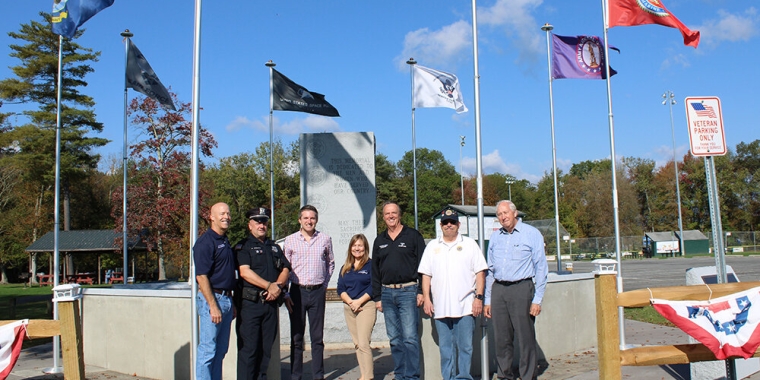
669,99
461,173
510,180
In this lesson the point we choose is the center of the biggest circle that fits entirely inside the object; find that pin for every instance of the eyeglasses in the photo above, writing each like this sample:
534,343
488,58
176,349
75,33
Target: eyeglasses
449,221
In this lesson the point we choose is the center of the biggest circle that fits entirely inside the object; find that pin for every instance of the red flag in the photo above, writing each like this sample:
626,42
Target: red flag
11,337
641,12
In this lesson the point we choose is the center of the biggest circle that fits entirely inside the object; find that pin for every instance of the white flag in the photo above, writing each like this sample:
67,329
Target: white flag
142,78
433,88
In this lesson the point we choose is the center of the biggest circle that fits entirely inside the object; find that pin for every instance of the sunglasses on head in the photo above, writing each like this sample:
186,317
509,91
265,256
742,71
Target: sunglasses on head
445,222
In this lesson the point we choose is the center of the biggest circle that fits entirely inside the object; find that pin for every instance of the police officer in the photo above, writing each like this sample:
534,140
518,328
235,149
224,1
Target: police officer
263,274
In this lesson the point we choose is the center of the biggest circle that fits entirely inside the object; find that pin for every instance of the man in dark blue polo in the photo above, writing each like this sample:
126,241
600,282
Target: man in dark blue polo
215,267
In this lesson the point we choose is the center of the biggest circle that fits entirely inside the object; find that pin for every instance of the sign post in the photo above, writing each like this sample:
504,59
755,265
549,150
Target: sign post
707,139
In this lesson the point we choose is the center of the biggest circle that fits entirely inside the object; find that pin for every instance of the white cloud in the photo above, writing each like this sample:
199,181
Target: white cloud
452,42
664,154
729,27
494,163
436,47
516,17
311,123
675,60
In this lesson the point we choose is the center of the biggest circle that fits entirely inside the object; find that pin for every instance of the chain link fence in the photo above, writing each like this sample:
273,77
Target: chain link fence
739,242
736,243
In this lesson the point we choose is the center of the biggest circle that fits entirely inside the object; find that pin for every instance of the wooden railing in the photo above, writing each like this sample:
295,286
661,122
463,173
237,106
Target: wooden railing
611,357
69,327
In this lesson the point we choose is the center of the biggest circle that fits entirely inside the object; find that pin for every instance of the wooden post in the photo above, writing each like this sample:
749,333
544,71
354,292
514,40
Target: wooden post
71,340
607,327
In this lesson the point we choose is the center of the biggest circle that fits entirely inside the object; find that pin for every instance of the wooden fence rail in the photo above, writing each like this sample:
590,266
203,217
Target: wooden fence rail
611,357
69,327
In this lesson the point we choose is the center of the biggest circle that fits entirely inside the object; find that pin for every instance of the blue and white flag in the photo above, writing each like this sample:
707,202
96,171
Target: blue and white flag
433,88
727,325
142,78
69,15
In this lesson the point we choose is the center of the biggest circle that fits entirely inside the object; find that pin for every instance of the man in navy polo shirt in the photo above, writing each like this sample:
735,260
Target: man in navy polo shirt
215,266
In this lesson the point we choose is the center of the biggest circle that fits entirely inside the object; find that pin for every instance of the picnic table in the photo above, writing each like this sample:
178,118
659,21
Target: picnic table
116,277
81,278
45,279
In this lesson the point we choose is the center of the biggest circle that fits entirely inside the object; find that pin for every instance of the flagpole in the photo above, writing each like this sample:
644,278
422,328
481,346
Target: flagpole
127,35
411,62
56,215
271,66
548,28
621,315
194,181
484,364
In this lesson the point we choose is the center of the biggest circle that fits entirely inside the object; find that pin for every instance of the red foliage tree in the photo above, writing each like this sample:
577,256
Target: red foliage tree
158,192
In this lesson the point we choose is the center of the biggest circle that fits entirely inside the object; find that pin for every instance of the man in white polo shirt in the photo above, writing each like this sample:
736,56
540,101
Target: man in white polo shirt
454,270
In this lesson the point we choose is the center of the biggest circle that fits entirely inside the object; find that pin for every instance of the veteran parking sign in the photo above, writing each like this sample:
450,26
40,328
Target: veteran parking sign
705,119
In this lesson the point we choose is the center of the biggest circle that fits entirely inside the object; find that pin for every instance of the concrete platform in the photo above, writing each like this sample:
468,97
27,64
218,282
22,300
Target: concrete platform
341,363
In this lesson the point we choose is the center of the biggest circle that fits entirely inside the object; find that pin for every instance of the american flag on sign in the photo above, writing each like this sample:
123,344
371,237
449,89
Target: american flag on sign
728,325
703,110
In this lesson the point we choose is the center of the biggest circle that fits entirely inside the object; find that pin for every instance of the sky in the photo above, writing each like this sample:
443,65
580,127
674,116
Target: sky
354,52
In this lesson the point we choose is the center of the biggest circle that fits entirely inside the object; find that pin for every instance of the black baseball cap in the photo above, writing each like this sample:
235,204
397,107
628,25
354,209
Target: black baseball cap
449,214
260,214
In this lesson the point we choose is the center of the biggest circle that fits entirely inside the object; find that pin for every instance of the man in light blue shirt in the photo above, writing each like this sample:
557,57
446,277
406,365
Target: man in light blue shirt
515,285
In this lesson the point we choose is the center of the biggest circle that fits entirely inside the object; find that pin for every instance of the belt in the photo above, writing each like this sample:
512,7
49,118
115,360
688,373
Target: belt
308,287
399,286
227,293
508,283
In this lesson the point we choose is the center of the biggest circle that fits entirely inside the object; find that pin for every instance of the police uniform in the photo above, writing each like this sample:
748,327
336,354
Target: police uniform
257,320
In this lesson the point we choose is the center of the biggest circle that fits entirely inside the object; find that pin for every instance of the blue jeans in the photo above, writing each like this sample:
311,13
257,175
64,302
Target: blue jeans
402,318
455,343
213,338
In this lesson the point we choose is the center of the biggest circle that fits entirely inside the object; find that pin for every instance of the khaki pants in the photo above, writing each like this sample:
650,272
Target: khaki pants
360,326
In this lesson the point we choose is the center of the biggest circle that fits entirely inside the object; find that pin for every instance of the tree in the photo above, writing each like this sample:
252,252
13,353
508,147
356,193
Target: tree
31,146
747,168
436,181
159,189
590,196
9,253
242,181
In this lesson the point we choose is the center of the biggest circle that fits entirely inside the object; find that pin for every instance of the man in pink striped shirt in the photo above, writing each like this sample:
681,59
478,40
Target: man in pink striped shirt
310,253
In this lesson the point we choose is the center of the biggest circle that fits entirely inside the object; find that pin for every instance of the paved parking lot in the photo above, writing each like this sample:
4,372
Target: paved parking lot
650,273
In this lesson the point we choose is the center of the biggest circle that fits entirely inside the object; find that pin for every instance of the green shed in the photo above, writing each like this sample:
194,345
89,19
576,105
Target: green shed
695,243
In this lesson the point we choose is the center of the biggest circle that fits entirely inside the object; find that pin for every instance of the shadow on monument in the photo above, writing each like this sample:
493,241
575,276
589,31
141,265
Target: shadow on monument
356,177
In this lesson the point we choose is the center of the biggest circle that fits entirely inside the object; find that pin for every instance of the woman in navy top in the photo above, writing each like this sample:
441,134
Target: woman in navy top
355,289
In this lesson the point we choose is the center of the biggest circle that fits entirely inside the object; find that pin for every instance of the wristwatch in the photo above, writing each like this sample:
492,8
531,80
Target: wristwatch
479,297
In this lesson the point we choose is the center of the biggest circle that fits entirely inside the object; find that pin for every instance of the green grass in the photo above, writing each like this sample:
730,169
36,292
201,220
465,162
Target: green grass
646,314
32,310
